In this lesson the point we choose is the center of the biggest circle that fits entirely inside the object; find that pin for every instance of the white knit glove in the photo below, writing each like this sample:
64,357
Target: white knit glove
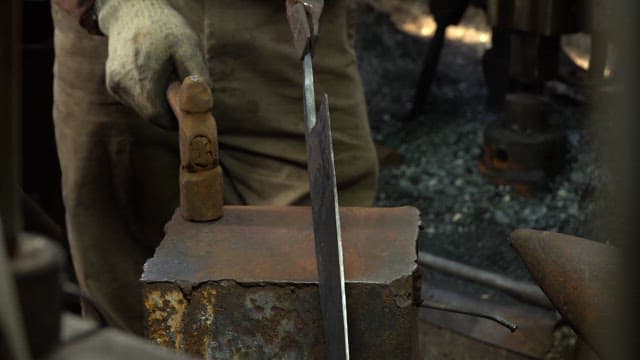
150,44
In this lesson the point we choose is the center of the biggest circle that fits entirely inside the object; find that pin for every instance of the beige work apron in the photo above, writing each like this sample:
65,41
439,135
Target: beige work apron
120,174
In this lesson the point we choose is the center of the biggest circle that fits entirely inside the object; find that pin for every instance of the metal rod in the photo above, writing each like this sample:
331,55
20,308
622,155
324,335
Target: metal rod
526,292
497,318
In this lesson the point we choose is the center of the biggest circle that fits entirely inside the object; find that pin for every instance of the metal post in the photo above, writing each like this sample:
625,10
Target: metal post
10,76
13,344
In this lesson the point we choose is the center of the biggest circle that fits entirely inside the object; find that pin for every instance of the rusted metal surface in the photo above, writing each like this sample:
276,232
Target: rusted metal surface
579,277
522,150
200,171
246,285
533,338
526,292
277,243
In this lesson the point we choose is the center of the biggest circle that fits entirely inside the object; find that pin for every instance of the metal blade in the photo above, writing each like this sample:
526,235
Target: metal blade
326,220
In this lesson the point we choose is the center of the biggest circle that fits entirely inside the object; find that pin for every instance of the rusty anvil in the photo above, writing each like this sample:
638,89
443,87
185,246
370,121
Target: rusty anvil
245,285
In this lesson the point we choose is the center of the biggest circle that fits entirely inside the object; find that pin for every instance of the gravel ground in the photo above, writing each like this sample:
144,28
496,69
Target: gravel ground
465,218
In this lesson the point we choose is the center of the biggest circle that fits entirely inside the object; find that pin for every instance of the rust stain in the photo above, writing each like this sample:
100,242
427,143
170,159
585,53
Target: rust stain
165,310
267,306
198,321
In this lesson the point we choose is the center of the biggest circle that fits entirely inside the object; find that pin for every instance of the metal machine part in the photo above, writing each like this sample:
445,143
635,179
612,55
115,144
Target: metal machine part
580,277
523,150
526,44
200,170
247,284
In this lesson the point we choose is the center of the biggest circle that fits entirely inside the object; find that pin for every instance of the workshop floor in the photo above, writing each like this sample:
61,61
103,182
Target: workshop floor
432,160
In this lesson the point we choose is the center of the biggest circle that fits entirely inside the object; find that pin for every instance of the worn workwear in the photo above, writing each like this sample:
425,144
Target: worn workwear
120,173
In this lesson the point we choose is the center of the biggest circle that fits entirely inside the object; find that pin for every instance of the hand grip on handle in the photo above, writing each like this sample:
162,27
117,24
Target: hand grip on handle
200,172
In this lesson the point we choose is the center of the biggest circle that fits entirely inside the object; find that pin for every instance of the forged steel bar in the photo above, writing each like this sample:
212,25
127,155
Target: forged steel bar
302,16
529,293
327,233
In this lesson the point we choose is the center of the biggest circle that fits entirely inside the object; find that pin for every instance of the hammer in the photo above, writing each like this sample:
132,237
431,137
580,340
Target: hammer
200,171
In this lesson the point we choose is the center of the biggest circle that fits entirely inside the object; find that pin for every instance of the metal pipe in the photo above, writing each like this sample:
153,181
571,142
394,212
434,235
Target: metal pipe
10,76
526,292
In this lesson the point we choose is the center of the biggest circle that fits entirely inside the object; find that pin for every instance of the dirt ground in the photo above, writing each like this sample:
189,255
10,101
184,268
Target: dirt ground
464,217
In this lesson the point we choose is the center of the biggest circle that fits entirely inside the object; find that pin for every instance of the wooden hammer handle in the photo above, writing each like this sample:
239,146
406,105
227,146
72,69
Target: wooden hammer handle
200,172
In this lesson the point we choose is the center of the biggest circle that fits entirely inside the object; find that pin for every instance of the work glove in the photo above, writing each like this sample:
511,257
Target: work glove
149,43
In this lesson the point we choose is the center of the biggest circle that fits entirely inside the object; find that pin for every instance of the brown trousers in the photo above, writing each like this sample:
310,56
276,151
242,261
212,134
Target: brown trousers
120,174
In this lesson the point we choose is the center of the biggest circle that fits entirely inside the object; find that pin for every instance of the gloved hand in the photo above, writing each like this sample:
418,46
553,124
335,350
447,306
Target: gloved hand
148,42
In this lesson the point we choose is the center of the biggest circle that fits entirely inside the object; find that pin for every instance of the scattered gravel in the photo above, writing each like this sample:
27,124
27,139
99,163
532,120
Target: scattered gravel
464,217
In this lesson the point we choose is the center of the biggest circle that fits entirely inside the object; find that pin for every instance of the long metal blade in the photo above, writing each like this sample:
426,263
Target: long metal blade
326,220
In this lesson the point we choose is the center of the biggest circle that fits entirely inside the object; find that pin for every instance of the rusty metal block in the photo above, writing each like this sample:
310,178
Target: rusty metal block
245,286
